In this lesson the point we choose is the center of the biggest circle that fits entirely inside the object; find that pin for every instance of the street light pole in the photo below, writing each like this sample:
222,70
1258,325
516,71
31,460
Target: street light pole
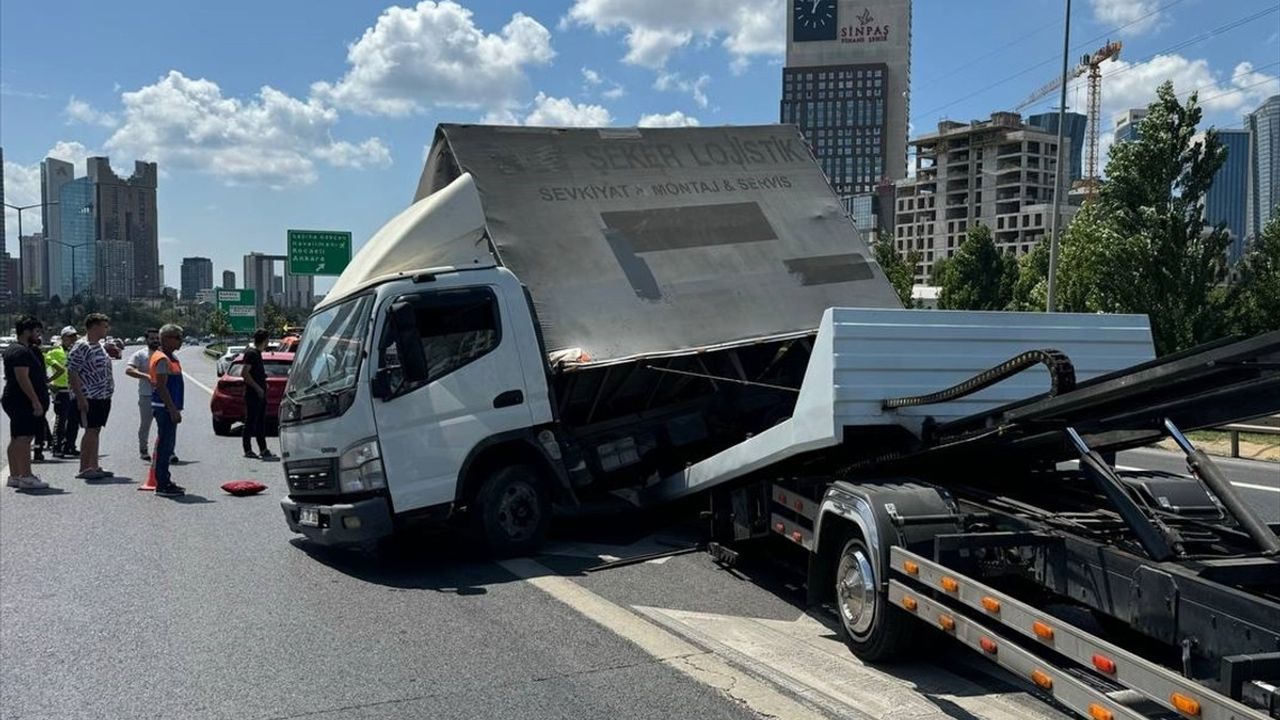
73,249
1051,304
21,285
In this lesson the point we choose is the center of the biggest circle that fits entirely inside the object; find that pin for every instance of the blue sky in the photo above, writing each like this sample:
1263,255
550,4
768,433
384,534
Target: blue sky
270,115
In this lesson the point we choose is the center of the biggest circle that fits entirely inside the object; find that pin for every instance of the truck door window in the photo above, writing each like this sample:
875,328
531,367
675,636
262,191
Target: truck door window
457,327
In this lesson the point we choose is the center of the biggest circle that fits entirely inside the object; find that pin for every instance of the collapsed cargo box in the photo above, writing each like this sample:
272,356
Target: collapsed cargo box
678,275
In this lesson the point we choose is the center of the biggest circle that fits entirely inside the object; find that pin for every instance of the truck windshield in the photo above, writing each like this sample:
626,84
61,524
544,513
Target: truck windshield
331,347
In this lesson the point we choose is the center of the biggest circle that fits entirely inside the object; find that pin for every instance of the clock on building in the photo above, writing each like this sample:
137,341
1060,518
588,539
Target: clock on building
813,20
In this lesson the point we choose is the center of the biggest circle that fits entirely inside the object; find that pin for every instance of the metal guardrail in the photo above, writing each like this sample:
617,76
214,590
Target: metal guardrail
1235,430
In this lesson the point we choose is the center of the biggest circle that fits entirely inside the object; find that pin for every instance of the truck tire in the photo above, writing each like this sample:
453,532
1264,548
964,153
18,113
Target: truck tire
512,511
221,428
873,629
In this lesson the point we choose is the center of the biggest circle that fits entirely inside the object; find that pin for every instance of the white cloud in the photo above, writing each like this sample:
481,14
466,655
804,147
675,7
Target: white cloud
592,81
434,55
675,83
1115,13
22,185
271,139
671,119
655,30
554,112
79,111
1223,96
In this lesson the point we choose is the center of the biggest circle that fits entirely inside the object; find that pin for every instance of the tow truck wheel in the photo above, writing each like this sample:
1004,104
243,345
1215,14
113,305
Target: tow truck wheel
874,630
513,511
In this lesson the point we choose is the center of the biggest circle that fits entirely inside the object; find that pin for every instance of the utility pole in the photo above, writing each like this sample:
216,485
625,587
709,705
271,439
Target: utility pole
22,287
1051,305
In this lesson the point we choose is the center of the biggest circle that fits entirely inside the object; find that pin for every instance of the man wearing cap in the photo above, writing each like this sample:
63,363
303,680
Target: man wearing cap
67,423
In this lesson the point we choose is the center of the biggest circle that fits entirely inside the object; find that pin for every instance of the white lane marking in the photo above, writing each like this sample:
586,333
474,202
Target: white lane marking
805,657
1253,486
697,663
199,384
1250,486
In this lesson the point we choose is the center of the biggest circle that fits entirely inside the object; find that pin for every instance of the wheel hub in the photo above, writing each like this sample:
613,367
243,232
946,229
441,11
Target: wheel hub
856,592
518,512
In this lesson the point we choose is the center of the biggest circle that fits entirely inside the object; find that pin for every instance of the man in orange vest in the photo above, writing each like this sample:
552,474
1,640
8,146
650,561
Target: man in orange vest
166,406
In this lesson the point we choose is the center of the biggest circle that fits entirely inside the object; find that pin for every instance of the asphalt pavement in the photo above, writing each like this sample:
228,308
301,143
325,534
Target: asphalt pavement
118,604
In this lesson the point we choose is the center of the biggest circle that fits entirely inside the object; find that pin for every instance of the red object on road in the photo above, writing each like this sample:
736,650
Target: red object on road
227,405
243,487
150,484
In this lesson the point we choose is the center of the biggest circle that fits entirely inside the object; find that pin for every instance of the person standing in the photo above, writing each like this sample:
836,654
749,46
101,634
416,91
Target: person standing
91,381
140,369
166,406
66,423
25,384
43,436
254,372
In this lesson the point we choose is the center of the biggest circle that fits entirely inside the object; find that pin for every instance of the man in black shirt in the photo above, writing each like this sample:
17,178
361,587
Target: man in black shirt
24,398
254,372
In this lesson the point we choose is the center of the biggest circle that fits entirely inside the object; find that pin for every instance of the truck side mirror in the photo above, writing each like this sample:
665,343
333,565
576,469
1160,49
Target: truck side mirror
413,360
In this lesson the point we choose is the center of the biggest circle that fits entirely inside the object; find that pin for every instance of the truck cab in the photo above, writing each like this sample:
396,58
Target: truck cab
419,379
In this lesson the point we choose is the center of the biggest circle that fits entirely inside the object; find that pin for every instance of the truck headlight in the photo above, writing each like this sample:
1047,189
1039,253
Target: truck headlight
360,467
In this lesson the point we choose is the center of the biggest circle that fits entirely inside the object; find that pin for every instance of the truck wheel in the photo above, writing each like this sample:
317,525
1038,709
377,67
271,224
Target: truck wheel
221,428
512,511
874,630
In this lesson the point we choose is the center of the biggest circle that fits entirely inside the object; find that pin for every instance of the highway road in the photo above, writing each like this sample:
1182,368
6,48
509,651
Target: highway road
118,604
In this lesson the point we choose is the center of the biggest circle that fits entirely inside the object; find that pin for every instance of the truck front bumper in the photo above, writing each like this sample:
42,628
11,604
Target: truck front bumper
341,524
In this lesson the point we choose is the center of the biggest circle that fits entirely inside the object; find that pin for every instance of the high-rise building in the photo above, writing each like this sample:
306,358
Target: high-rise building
259,275
1225,201
31,252
299,290
996,172
54,174
1263,195
114,269
228,279
1127,122
846,84
197,275
77,236
125,211
1077,124
9,269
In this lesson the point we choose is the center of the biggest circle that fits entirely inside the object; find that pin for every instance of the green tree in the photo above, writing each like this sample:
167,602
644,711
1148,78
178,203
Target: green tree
273,318
978,276
1253,302
1142,246
1031,287
899,269
218,324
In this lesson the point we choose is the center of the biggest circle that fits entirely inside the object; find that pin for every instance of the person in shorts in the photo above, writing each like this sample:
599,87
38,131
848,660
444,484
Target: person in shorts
89,367
23,400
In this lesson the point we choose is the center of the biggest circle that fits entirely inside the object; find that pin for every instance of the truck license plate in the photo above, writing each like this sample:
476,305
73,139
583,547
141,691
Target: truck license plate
309,517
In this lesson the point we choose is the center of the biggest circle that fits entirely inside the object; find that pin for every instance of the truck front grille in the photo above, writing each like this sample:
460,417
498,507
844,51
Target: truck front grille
312,475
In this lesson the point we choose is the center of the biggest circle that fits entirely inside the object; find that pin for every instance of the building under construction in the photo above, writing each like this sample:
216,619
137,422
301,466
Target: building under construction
997,172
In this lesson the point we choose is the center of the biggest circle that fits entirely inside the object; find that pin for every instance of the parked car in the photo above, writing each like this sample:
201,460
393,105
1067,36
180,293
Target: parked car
227,405
228,357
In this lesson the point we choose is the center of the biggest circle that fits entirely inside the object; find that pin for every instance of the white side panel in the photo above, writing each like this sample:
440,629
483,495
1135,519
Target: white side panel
862,357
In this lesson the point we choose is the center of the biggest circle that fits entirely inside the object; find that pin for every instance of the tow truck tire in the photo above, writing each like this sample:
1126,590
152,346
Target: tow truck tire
512,511
221,428
873,629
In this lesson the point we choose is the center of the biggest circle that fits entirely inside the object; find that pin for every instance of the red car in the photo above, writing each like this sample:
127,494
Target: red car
227,405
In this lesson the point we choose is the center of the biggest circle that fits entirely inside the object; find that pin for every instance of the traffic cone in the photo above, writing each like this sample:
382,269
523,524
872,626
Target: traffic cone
150,484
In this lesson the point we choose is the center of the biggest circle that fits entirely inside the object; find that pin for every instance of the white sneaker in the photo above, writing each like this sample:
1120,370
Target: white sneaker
31,482
13,481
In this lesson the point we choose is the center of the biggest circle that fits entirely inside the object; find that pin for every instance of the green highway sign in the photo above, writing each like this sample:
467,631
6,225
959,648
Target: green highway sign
241,309
318,252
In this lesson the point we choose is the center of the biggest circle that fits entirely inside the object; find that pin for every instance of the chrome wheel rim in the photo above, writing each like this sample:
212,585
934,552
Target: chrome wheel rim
856,592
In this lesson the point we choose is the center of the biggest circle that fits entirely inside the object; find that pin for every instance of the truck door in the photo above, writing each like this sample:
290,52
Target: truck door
475,389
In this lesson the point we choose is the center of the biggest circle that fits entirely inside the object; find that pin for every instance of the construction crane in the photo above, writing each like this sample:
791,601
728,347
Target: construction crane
1090,65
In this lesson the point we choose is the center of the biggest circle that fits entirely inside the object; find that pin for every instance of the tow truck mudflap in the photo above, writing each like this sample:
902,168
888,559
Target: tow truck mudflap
352,523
